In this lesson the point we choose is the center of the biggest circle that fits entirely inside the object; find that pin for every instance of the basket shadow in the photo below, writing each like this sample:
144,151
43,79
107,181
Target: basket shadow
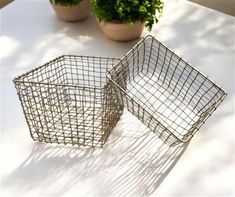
133,162
140,171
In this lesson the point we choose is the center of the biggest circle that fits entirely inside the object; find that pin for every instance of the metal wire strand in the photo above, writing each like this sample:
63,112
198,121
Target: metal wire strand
70,101
166,93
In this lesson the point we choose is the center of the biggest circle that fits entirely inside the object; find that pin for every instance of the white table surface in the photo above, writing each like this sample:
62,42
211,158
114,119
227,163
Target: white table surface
134,162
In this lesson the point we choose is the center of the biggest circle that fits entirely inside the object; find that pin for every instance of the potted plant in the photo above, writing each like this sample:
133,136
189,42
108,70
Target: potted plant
124,20
71,10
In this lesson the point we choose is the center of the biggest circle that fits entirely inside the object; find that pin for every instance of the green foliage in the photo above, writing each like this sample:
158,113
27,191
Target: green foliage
128,11
66,2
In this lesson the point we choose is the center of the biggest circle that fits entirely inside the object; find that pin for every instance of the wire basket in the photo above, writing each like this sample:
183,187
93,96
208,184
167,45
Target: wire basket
70,101
166,93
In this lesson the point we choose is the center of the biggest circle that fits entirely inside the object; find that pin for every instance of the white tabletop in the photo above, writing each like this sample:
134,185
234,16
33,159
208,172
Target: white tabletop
134,162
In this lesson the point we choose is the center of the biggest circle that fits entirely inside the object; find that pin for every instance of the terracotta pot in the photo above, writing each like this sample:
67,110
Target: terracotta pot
121,31
73,13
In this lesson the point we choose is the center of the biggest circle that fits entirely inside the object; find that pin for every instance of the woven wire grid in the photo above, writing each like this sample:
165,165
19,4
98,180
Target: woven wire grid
166,93
70,101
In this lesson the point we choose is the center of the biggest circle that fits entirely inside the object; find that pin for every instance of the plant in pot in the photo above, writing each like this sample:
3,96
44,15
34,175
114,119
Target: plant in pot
124,20
71,10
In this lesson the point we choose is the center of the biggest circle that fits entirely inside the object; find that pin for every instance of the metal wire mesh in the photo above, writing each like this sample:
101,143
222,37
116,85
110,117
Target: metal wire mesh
70,101
166,93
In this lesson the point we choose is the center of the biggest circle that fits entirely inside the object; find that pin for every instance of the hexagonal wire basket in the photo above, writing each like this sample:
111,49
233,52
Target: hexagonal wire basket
163,91
69,101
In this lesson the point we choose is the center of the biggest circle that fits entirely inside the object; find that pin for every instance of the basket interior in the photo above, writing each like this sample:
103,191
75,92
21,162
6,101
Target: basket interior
168,88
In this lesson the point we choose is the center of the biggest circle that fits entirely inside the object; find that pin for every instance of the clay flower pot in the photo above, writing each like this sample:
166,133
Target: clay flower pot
122,31
73,13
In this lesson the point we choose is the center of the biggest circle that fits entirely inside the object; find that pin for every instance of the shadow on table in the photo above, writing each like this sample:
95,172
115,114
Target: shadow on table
140,173
133,162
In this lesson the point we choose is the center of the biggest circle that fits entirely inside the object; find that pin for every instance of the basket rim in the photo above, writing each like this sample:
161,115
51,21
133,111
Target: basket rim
153,113
181,58
19,79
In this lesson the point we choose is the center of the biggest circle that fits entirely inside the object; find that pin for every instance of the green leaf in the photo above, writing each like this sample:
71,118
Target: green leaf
128,11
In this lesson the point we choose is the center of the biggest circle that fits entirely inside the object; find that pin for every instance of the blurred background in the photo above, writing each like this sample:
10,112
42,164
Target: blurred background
225,6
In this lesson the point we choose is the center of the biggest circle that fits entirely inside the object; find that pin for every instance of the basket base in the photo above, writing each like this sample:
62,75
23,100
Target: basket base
177,116
80,126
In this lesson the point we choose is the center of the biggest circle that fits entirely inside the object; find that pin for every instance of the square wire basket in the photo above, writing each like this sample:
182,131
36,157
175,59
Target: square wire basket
163,91
70,101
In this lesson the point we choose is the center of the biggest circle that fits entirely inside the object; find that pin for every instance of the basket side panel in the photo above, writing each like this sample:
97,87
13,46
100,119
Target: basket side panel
68,101
111,111
29,106
96,97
